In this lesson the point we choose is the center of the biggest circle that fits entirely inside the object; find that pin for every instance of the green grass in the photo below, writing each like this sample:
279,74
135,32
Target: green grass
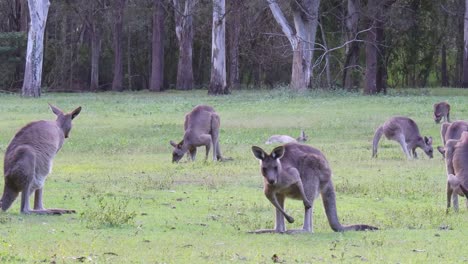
134,206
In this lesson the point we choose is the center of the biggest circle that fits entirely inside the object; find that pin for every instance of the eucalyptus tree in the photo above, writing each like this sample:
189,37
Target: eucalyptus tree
218,83
302,37
465,48
157,47
184,33
118,7
38,10
352,49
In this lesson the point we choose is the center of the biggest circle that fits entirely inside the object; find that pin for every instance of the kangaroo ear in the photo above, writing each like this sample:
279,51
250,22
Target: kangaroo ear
278,152
427,140
173,144
55,110
75,112
259,153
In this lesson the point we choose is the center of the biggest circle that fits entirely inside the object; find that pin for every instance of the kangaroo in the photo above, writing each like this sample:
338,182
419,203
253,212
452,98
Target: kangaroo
451,131
28,161
299,172
441,110
405,131
456,161
201,129
287,139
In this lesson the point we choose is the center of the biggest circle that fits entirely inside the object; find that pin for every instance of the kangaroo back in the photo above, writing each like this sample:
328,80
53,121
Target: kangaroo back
201,129
441,110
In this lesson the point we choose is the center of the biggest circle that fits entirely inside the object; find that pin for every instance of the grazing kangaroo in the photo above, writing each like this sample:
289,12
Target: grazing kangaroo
441,110
451,131
456,161
28,160
286,139
299,172
201,129
405,131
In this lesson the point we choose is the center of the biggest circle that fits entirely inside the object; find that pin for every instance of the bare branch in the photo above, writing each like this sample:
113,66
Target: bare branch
279,17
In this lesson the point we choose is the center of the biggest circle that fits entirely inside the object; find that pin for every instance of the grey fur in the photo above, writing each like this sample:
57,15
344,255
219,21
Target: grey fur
28,161
201,129
451,131
456,162
283,139
299,172
404,131
441,110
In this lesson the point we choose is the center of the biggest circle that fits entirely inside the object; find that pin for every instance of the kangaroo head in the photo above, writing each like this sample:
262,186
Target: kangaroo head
64,120
303,137
269,163
179,150
426,145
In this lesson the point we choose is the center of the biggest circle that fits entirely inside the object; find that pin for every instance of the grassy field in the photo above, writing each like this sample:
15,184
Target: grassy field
134,206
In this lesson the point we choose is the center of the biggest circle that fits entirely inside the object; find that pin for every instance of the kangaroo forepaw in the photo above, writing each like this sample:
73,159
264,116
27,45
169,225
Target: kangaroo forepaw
289,219
307,204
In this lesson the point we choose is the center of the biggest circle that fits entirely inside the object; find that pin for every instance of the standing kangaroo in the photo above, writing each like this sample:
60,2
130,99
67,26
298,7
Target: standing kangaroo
405,131
299,172
201,129
456,161
441,110
451,131
28,160
286,139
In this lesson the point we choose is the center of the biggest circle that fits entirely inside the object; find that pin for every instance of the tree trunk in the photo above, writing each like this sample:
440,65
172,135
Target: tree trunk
327,59
381,78
184,33
305,14
234,39
35,48
443,67
117,81
370,86
350,81
465,48
218,50
95,54
157,58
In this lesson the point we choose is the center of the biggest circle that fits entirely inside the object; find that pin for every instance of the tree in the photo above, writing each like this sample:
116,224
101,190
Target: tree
350,80
35,51
157,57
234,28
305,14
184,33
218,83
465,48
118,9
375,52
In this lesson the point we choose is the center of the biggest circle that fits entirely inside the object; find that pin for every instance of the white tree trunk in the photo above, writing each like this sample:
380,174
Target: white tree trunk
302,42
38,10
218,83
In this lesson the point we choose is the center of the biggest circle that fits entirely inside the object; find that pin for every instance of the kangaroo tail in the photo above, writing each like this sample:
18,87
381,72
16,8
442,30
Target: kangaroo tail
375,142
8,198
329,202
